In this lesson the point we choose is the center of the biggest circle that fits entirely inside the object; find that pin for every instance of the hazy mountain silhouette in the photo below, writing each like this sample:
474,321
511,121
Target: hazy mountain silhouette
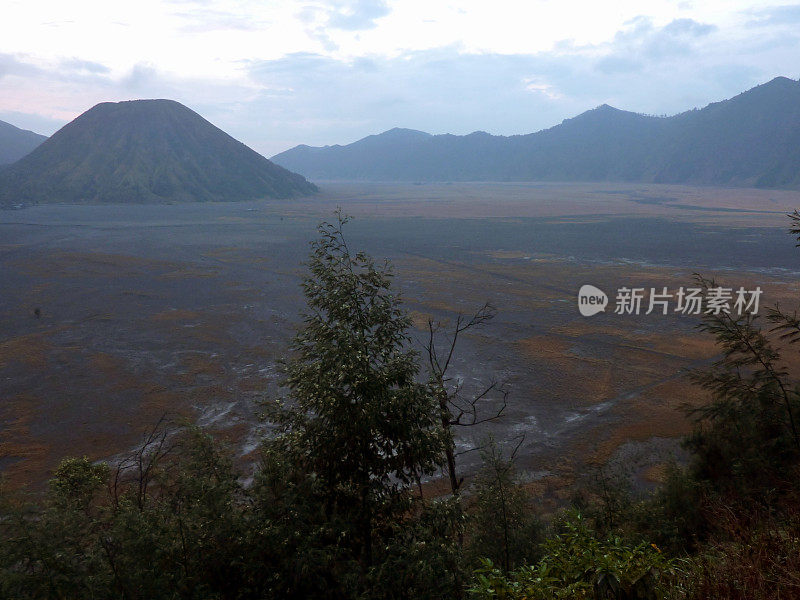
16,143
752,139
145,151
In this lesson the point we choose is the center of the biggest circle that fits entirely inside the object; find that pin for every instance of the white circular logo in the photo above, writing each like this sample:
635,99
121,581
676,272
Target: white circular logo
591,300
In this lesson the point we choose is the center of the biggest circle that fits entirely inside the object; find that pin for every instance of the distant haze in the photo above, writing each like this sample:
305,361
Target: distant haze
278,74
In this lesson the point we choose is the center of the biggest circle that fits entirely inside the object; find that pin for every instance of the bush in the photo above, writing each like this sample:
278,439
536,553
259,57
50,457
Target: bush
577,565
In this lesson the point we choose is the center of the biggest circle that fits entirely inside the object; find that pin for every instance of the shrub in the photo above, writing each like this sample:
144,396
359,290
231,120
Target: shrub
578,565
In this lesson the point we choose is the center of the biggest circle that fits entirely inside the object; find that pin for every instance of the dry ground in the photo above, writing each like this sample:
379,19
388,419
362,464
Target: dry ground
186,310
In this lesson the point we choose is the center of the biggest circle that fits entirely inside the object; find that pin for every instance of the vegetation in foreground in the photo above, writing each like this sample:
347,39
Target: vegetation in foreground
334,509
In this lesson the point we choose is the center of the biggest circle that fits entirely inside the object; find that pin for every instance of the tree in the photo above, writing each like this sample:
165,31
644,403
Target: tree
51,551
456,410
747,435
505,528
356,421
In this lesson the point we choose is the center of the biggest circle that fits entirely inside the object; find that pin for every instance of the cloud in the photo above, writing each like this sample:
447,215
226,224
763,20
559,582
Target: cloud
775,15
205,20
688,27
641,38
88,66
142,76
322,19
11,64
617,63
324,100
357,15
44,97
321,97
645,68
31,122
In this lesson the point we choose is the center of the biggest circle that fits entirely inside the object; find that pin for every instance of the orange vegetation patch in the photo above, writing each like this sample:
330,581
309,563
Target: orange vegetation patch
233,434
507,254
432,304
253,383
697,346
661,412
224,252
419,319
158,401
201,364
578,328
656,473
544,346
190,273
556,488
176,315
106,364
595,374
27,456
31,350
71,264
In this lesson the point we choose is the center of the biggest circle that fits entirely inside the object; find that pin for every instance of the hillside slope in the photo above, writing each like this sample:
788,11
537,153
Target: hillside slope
145,151
16,143
752,139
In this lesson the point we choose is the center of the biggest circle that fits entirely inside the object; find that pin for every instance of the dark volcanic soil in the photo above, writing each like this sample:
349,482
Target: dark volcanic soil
186,310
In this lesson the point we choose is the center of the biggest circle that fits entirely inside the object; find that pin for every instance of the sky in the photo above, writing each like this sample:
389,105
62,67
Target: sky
276,73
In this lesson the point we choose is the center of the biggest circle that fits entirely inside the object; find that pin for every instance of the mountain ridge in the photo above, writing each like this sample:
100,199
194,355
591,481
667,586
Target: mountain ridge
751,139
16,142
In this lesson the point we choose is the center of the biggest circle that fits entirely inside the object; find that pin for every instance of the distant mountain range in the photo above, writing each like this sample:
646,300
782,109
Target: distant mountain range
144,151
752,139
16,143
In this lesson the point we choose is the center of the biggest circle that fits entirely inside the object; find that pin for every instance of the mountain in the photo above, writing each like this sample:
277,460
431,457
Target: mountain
752,139
145,151
16,143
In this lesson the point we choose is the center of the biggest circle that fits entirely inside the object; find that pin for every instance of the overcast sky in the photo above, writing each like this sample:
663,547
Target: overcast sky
277,73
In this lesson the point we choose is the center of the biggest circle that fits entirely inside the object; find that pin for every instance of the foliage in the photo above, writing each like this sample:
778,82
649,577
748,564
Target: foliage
184,541
746,436
356,421
605,496
423,558
52,552
503,524
577,565
333,512
675,516
753,556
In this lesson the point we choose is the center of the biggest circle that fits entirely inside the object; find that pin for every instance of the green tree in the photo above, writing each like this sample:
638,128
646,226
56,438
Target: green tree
356,423
746,436
504,525
187,538
51,551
